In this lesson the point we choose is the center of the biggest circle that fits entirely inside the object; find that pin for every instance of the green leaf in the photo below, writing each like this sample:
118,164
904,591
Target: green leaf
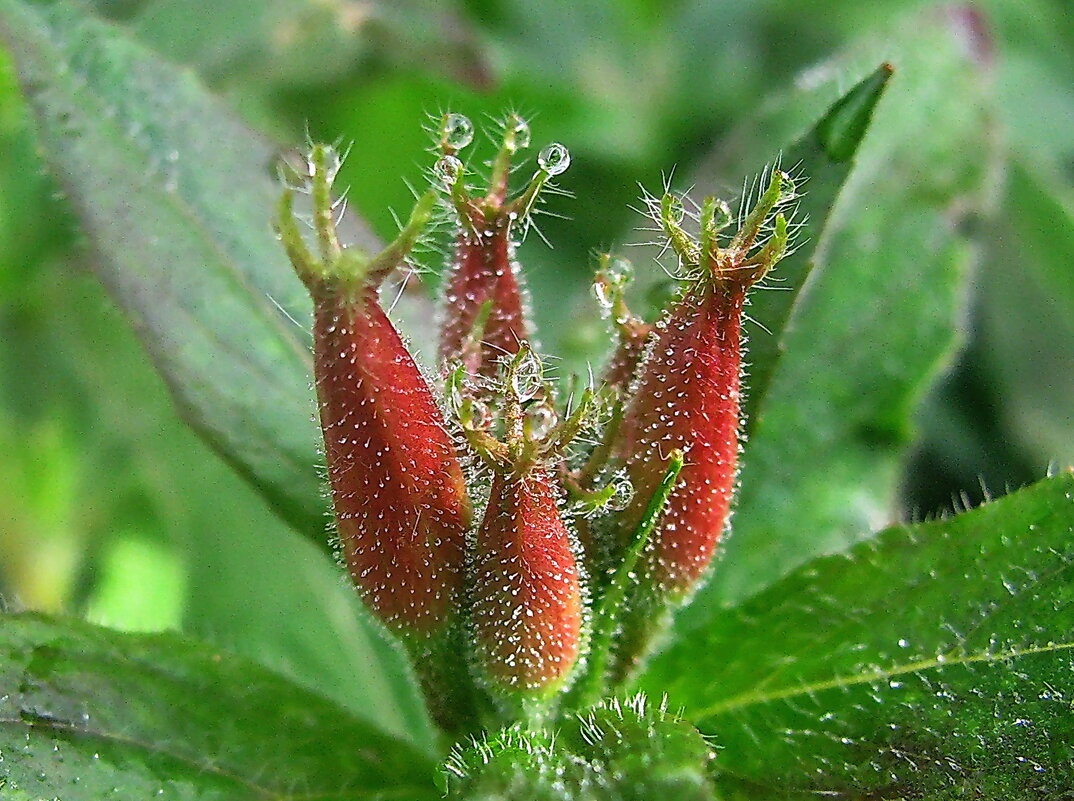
88,713
934,661
305,43
874,325
1027,315
824,156
175,196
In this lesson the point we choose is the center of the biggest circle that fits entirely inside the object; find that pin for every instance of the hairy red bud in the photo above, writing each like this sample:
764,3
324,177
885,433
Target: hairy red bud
397,485
485,317
527,603
688,399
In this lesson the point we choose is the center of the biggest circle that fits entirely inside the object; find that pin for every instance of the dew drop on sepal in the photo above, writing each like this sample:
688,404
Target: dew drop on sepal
603,296
447,171
675,210
456,131
554,159
521,133
542,419
527,377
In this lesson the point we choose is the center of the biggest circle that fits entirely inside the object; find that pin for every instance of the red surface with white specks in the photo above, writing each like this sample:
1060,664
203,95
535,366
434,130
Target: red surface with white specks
399,493
527,592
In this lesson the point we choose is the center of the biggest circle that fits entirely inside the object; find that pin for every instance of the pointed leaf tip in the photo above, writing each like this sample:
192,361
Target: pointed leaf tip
844,126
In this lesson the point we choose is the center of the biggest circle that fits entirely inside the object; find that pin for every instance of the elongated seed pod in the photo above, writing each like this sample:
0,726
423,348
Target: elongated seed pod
527,602
484,316
398,489
688,399
397,485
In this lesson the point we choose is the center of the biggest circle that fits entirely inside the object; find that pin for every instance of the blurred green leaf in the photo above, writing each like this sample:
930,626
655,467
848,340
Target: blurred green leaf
276,43
175,196
89,713
824,157
874,324
933,661
1027,315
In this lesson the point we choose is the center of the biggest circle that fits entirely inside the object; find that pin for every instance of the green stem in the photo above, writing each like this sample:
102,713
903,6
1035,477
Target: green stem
593,684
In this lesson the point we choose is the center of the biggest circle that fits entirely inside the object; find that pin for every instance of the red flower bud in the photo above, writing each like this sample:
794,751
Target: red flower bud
398,489
399,494
485,316
688,399
526,587
527,595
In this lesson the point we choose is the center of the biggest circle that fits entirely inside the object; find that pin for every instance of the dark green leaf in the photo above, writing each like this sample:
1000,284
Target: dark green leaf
824,157
89,714
150,164
934,661
175,196
875,323
1027,315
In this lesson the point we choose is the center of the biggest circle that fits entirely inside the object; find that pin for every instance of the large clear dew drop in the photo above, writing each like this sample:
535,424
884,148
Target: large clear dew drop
447,171
554,159
528,377
456,131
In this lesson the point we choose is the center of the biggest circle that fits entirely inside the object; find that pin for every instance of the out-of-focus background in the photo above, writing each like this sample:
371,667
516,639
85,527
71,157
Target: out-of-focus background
111,508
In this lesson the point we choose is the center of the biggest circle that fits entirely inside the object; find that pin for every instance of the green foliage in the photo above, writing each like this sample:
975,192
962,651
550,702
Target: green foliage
149,162
89,713
617,751
929,661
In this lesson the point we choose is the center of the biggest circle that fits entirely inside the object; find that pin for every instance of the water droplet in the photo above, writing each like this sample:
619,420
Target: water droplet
787,189
619,271
722,216
603,296
294,176
554,159
480,416
542,419
528,376
622,495
456,131
447,171
332,162
518,131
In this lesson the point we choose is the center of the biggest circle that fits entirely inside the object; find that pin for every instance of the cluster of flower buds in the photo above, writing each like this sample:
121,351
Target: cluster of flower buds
601,510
